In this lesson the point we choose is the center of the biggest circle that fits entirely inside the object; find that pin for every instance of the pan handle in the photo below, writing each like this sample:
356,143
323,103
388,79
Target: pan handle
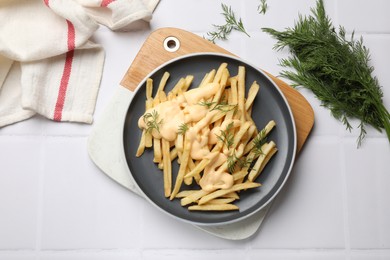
161,46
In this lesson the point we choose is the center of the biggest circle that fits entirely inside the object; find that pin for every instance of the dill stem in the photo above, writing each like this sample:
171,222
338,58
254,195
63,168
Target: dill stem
386,118
243,30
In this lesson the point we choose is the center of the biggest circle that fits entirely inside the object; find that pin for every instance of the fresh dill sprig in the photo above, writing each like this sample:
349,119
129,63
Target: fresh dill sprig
233,160
222,31
151,121
245,162
263,7
222,106
183,129
227,136
259,141
207,104
335,69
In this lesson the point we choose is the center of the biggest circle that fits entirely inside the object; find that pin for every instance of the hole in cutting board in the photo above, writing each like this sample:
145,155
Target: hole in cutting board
171,44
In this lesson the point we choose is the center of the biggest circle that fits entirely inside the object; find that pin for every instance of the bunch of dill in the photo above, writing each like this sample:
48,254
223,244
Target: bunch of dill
335,69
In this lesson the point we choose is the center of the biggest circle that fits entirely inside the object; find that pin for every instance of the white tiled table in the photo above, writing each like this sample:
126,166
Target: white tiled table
56,204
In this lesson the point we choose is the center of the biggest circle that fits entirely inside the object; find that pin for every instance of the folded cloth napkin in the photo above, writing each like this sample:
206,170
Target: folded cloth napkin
48,65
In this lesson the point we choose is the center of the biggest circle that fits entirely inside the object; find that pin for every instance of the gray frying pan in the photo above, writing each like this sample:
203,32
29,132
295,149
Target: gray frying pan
270,104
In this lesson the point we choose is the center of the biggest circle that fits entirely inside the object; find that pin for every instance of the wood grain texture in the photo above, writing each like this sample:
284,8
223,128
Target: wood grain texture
153,54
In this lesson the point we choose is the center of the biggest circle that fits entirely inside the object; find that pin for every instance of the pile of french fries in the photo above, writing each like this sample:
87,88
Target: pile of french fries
248,152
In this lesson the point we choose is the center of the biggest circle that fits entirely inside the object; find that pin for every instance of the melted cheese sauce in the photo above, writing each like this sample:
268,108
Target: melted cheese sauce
185,109
214,178
172,117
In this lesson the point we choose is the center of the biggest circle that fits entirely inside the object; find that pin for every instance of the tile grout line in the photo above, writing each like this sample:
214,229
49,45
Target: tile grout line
243,39
347,236
141,248
343,167
38,241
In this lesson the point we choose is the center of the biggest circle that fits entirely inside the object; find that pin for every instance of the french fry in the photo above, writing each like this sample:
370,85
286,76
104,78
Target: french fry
178,87
223,80
220,201
208,78
167,169
173,156
253,90
185,193
198,168
229,81
187,180
163,82
205,77
157,150
148,105
214,207
162,96
188,81
193,197
179,142
218,122
146,138
182,170
190,166
234,91
149,88
266,149
219,193
267,158
252,129
241,91
141,146
240,175
263,133
238,136
219,73
232,195
157,142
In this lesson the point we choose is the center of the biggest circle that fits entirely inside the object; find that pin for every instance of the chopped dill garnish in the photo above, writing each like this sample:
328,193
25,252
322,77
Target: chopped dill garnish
259,141
222,31
207,104
233,160
183,129
245,162
227,136
263,7
151,121
223,106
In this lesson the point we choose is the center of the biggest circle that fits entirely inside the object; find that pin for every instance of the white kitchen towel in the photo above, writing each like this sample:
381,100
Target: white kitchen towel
48,65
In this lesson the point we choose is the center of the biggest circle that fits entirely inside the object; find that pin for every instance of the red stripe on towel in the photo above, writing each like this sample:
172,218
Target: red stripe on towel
66,73
71,36
106,2
46,2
